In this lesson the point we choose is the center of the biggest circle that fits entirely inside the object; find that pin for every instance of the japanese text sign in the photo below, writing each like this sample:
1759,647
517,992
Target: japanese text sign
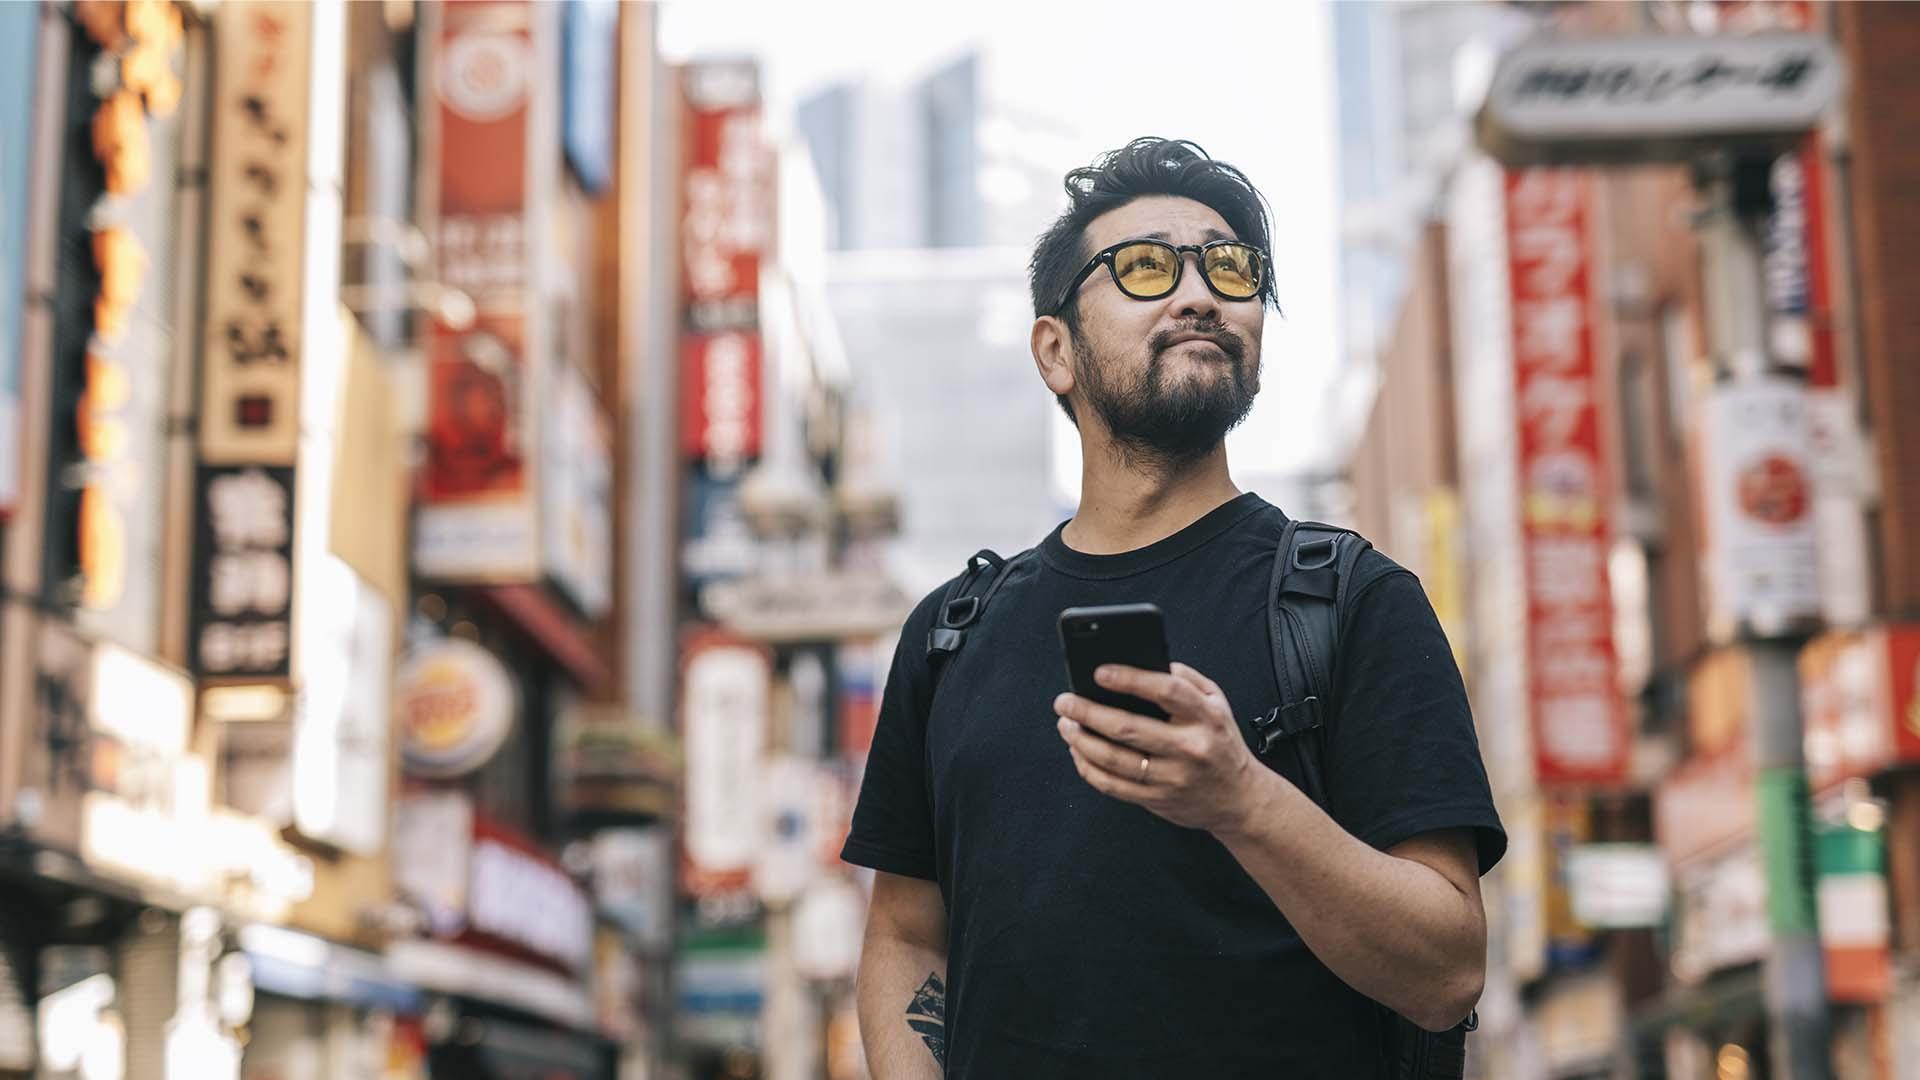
1578,722
243,572
250,377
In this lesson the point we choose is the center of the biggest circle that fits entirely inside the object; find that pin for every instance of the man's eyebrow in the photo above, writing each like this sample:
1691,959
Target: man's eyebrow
1162,234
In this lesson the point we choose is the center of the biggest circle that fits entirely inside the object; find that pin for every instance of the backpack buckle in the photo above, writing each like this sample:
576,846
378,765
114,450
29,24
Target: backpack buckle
961,612
1284,722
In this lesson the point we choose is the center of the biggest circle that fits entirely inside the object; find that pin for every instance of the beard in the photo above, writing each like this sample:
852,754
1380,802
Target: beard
1165,428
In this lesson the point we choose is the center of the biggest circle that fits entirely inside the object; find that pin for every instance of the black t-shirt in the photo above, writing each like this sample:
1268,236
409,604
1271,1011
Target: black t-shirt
1089,938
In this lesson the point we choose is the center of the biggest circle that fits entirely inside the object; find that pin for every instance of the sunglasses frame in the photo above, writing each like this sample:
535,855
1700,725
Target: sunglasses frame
1105,256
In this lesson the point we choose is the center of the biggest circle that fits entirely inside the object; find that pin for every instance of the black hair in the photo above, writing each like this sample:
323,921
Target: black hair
1146,166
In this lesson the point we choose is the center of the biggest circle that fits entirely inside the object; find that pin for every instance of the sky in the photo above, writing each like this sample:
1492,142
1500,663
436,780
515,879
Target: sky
1249,81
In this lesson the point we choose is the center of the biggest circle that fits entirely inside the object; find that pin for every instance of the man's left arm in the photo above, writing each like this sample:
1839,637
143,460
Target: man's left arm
1404,926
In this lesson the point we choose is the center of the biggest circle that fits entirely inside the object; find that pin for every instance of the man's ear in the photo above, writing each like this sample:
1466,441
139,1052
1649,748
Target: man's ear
1052,345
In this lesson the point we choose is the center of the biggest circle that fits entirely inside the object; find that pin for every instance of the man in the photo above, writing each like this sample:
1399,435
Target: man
1067,890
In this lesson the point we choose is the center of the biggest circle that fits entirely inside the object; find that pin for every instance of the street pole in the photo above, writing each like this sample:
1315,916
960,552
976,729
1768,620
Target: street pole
1734,188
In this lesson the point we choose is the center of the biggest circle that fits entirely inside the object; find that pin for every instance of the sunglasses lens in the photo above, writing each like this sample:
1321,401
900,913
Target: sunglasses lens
1146,270
1234,269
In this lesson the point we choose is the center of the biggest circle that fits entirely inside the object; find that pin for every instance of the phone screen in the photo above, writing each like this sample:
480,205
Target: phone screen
1130,634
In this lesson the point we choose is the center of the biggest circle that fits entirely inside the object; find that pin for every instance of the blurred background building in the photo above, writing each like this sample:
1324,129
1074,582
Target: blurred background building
464,467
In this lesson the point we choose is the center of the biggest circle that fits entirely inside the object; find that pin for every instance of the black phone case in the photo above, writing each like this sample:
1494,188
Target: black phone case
1130,634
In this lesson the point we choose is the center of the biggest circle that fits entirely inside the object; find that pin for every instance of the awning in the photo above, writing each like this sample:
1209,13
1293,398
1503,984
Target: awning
1721,1002
296,965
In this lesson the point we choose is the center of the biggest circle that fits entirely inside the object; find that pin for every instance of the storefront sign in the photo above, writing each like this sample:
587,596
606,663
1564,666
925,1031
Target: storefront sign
726,226
576,494
477,519
113,338
1855,926
520,898
633,881
1761,566
343,716
250,372
432,846
19,47
1858,697
609,766
791,806
1580,726
454,703
1618,886
242,624
1705,805
720,406
826,607
726,684
1655,97
1721,919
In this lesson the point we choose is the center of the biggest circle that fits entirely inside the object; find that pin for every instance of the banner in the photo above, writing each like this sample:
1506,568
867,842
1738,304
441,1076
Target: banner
1580,726
250,371
477,519
725,232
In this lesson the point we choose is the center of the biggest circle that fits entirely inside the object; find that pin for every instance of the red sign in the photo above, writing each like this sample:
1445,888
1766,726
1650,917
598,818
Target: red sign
727,192
483,77
1579,724
720,399
1860,696
476,381
522,903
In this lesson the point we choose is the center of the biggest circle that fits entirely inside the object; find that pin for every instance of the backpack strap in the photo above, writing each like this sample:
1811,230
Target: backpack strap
1305,602
1312,565
966,601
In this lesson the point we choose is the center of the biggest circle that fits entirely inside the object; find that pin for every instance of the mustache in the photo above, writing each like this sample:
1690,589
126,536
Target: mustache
1220,333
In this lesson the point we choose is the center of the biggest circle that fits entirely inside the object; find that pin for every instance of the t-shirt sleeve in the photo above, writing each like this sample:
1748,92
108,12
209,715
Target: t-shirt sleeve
1402,757
893,818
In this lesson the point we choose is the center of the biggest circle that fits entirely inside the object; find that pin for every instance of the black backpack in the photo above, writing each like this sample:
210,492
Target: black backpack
1306,600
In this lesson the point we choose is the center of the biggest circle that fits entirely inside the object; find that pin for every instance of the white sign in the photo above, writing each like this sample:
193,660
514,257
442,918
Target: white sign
1617,886
787,860
827,924
1762,565
454,702
813,608
576,495
725,718
1722,917
518,898
432,841
1656,96
340,752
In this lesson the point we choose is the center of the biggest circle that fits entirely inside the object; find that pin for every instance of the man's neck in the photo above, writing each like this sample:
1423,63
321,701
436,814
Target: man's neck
1125,508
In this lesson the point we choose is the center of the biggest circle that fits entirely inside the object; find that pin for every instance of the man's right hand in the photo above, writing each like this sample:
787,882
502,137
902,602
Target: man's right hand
901,988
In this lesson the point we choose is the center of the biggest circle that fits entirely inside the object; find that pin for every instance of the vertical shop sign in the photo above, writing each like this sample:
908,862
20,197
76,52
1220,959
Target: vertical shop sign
725,228
724,711
1579,725
1761,572
250,374
576,495
477,519
243,573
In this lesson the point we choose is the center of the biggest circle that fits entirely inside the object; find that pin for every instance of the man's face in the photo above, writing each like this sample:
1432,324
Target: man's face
1168,377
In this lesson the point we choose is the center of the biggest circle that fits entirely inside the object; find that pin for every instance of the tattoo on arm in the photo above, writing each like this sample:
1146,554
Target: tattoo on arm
927,1016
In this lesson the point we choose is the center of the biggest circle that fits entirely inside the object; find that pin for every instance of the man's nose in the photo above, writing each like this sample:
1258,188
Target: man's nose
1191,298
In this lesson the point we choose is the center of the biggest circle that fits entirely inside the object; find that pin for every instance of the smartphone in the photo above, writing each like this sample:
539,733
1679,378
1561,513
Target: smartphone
1130,634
